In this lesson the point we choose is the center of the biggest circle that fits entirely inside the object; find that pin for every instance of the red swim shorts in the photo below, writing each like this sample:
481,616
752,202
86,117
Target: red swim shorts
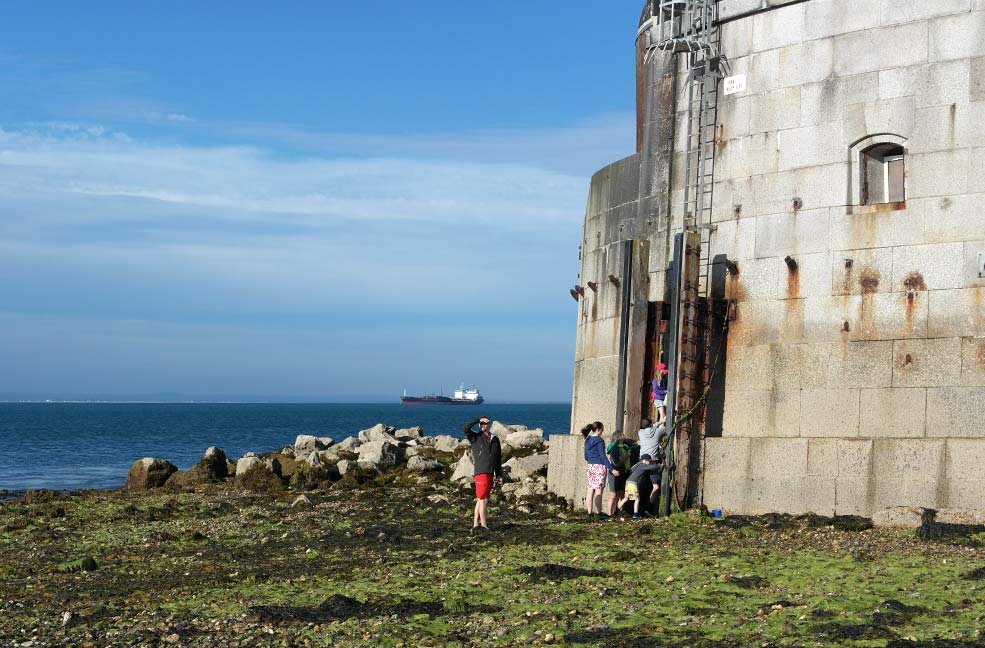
483,485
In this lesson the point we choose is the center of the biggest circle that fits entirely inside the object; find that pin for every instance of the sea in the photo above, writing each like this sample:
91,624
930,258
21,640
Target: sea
68,446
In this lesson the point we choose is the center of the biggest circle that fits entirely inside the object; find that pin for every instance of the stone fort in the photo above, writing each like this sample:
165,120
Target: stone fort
800,236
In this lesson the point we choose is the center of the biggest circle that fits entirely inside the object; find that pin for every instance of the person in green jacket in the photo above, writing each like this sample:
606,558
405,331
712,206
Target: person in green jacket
620,454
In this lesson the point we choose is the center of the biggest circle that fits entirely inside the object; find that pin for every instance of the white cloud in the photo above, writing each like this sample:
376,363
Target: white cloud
247,183
219,230
577,149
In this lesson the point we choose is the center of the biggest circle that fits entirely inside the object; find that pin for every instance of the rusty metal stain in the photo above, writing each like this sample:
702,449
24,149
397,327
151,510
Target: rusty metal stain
978,308
980,356
734,290
905,361
868,281
910,307
847,283
793,282
914,281
595,308
865,315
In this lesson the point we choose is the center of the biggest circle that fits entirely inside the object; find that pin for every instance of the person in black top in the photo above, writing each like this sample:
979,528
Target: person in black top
487,462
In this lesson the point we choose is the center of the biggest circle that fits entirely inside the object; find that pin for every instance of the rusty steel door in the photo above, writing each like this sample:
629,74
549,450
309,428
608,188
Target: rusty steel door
686,360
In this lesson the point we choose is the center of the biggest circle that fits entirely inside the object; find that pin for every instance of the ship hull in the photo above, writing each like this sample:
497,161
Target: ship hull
439,400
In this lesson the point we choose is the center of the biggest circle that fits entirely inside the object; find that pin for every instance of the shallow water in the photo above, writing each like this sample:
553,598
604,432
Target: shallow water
91,445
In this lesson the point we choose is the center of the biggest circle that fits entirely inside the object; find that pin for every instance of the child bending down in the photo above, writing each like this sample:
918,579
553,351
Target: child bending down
646,468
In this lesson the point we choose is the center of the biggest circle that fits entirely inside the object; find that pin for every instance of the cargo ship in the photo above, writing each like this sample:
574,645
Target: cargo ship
462,396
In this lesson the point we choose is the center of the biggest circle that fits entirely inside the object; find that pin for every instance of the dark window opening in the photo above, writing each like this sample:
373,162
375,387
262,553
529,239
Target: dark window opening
883,174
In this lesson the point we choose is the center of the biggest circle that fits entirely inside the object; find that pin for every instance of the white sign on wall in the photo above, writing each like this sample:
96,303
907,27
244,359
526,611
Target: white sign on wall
735,84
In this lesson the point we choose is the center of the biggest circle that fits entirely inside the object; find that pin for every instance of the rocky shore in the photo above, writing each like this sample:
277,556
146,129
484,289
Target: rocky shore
366,542
317,463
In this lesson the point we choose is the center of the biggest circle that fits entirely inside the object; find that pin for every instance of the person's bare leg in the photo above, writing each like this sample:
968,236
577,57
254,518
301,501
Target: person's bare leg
589,500
610,503
618,496
598,500
475,514
481,506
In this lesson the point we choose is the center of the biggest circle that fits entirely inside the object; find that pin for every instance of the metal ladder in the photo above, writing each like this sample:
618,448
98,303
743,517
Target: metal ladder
689,27
704,78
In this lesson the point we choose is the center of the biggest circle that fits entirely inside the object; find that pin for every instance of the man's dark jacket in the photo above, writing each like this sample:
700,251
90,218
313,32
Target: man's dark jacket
487,456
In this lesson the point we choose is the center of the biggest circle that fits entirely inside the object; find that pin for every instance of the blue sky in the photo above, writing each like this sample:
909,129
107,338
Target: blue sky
313,200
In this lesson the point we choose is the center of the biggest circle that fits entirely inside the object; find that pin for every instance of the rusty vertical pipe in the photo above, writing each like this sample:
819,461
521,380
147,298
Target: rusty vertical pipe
627,295
673,351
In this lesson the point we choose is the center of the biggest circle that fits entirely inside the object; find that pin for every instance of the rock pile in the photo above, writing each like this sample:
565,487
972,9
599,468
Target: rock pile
318,462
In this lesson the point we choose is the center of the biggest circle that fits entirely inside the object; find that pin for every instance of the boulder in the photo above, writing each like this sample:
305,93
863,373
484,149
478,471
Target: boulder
328,456
520,468
368,466
511,488
411,451
427,441
525,439
259,478
420,464
305,444
308,477
348,443
407,434
380,453
379,432
285,466
149,473
214,465
464,470
246,462
249,461
345,449
344,466
446,443
183,479
500,430
532,488
312,460
902,517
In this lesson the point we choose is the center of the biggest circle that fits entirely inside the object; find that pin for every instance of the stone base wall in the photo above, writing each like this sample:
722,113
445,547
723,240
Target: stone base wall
844,476
566,468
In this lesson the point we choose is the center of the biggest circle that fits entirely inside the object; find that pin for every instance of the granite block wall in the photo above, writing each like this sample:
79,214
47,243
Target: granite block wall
855,382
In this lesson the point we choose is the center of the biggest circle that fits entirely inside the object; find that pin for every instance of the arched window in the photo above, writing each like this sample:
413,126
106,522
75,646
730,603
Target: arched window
883,177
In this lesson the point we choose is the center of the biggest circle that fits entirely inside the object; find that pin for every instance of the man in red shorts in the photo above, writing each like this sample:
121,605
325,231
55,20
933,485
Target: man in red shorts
487,460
